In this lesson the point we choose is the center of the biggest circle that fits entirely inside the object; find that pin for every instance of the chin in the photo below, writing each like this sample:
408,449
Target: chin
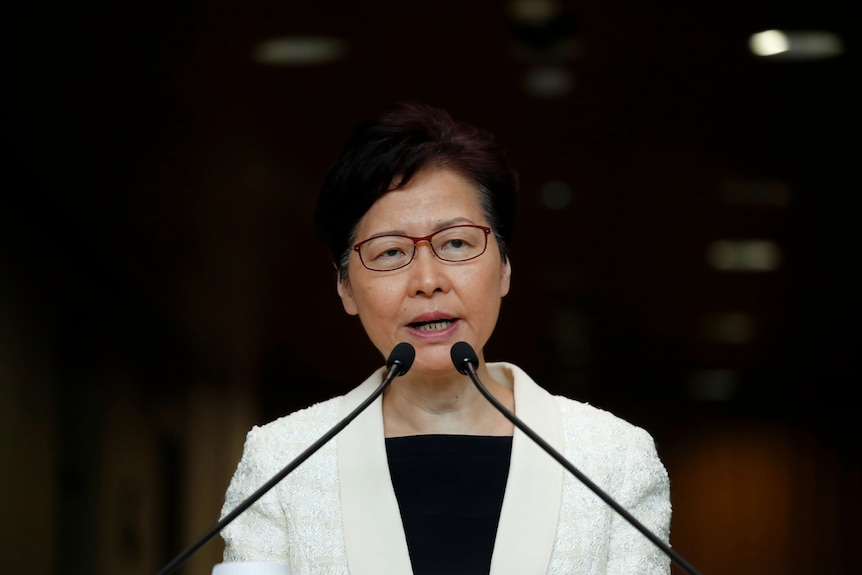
434,361
433,367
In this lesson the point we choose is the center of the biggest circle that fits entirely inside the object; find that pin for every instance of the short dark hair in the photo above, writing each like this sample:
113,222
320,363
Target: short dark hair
398,144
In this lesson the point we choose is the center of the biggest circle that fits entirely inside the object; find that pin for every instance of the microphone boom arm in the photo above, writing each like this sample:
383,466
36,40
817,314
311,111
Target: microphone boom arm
676,557
396,369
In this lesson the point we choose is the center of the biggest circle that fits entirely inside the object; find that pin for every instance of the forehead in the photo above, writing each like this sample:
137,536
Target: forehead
432,199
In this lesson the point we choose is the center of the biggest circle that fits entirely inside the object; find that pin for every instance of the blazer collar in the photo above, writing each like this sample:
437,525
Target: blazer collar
531,504
373,532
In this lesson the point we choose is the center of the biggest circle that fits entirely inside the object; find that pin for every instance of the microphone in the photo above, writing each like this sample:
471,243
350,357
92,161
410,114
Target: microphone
466,361
399,362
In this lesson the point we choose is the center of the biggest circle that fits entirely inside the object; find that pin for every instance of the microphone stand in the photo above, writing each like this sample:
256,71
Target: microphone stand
676,557
395,369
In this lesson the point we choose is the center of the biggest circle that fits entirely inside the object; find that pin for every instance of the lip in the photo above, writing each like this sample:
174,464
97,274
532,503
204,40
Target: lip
437,334
431,316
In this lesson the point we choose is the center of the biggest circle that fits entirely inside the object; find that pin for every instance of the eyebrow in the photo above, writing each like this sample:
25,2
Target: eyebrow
441,225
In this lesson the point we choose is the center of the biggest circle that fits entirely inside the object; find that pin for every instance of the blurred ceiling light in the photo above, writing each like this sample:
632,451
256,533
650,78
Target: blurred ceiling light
299,51
747,255
796,44
533,11
548,82
556,195
545,37
727,327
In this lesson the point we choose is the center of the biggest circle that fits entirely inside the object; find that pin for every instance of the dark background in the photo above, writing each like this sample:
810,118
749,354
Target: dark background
157,248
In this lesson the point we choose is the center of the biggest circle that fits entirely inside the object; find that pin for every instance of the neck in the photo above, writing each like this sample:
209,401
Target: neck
445,405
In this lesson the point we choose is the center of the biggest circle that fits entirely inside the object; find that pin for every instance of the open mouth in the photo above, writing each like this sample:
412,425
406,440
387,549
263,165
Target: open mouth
432,325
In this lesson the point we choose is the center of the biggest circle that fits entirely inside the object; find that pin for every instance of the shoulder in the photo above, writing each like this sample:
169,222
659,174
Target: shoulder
612,451
289,435
581,421
594,420
590,429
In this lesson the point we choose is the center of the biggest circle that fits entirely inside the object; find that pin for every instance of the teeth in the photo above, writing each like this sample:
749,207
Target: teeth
432,325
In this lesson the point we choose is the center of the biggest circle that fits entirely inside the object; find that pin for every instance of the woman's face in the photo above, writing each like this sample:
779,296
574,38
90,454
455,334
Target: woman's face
430,303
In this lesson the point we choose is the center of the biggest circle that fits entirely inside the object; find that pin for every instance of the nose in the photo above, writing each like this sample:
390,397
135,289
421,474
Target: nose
428,273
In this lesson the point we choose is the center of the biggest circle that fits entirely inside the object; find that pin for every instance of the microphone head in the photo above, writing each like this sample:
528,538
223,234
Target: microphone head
402,355
462,353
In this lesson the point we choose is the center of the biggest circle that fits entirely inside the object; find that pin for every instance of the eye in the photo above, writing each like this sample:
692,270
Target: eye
456,244
376,251
459,243
386,252
391,253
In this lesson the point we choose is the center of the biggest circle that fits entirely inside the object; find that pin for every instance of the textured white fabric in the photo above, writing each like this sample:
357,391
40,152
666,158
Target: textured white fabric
301,521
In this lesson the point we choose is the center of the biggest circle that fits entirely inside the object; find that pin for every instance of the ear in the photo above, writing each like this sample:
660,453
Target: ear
345,292
505,277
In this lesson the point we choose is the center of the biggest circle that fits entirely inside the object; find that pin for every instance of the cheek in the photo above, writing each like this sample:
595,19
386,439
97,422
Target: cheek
495,280
377,300
482,290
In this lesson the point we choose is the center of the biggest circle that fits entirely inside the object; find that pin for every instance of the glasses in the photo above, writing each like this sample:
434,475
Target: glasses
453,244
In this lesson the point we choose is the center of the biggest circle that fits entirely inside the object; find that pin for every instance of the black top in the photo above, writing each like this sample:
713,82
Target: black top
450,491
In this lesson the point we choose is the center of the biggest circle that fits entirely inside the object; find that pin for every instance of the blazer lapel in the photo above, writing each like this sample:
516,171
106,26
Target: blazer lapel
531,504
373,532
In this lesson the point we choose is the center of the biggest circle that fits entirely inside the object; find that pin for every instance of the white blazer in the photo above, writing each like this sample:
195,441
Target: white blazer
337,512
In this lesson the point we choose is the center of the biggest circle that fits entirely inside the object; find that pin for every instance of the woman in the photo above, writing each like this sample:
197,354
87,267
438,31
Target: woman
431,479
